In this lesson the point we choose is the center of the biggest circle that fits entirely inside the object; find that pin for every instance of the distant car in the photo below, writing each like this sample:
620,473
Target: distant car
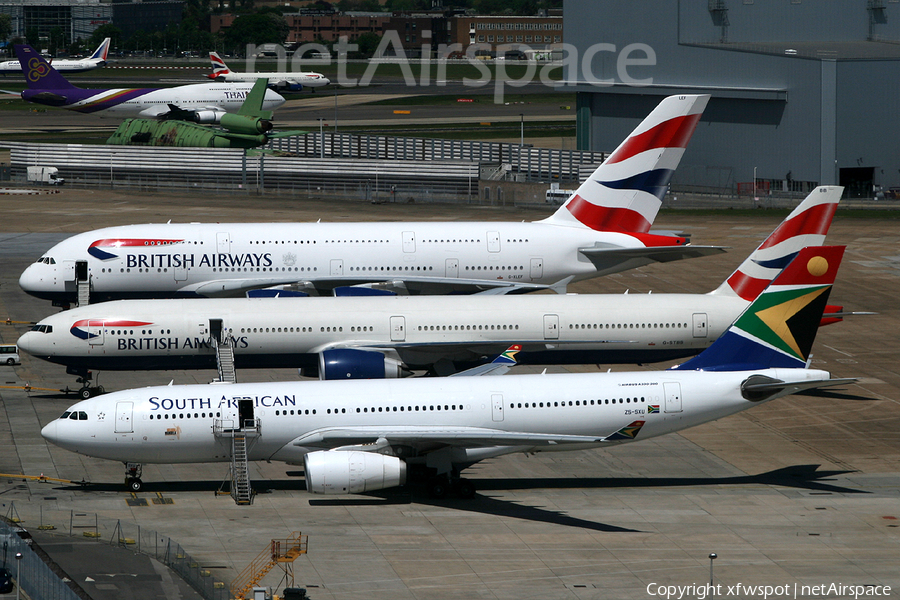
6,584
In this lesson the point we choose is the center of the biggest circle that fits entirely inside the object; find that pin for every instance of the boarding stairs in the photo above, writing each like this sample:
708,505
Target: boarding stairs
83,288
240,470
280,552
225,359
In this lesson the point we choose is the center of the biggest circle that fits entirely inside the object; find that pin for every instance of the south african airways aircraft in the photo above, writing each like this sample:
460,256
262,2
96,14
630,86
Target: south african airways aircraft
201,103
603,228
379,337
94,61
360,436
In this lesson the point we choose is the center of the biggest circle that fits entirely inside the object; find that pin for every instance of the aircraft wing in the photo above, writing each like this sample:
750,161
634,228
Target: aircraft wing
223,288
499,366
614,260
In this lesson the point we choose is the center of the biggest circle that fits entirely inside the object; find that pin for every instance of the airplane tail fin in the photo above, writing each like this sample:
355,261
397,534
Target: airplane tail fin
252,106
805,226
625,192
779,327
38,72
218,65
102,50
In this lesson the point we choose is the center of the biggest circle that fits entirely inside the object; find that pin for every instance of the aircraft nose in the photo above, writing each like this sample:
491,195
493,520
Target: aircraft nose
29,279
326,81
30,342
50,432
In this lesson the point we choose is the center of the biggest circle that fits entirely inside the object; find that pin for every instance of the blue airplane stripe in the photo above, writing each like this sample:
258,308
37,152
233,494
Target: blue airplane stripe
655,182
737,353
777,263
102,255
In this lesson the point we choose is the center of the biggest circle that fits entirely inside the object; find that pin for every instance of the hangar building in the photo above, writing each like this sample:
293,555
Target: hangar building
803,92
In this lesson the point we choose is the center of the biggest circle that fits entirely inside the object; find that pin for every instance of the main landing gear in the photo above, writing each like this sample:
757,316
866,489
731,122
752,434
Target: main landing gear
133,477
441,485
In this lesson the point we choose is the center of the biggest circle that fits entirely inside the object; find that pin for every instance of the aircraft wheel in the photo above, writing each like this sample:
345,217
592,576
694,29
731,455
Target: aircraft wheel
438,487
135,484
464,488
85,393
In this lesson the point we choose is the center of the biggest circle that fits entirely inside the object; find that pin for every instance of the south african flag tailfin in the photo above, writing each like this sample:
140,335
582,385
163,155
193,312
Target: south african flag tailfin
778,329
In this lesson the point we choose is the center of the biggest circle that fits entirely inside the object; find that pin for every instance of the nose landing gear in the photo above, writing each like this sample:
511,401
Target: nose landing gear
133,476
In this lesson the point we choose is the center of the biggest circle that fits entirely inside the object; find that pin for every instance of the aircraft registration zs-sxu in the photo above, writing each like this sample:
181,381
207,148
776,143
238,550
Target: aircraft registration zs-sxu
359,436
201,103
94,61
378,337
603,228
290,81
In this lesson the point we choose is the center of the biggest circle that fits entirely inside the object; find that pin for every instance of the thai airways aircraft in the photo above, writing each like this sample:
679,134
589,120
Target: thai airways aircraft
360,436
603,228
377,336
94,61
282,82
202,103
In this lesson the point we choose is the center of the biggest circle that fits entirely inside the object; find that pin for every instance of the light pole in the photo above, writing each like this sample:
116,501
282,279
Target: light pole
521,130
18,580
713,556
321,139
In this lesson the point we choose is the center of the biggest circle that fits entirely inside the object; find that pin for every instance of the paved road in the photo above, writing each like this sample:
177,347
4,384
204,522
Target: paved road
802,490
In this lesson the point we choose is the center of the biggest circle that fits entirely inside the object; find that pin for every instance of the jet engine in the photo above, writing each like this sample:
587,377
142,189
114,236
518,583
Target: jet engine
342,472
207,116
350,363
247,125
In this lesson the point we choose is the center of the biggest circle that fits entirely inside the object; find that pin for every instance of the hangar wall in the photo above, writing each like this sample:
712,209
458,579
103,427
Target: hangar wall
800,91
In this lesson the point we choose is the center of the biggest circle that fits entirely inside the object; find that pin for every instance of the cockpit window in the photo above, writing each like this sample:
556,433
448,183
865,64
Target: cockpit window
43,328
46,260
73,416
82,416
65,415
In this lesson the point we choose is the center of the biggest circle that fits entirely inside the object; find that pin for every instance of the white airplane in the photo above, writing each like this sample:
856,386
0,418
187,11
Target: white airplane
94,61
602,229
359,436
282,82
376,336
201,103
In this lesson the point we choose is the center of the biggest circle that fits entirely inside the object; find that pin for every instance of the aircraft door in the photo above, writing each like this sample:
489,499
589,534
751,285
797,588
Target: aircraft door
180,272
672,392
245,413
398,329
68,275
95,333
409,241
223,243
124,415
337,267
551,327
493,241
497,407
451,267
700,325
537,268
215,330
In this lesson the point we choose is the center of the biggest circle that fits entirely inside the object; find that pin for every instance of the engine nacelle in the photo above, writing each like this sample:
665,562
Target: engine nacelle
350,363
207,116
247,125
341,472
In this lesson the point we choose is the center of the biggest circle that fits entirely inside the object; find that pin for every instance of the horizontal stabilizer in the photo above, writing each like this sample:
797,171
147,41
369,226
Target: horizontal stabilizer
759,387
613,260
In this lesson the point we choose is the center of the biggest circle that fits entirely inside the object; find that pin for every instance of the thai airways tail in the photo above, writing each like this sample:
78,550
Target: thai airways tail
807,225
218,66
102,51
39,75
625,193
779,327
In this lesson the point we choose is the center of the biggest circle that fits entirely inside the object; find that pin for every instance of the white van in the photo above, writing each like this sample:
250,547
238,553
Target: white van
9,354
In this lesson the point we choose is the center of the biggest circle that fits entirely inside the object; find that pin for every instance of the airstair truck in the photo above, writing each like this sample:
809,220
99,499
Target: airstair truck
45,175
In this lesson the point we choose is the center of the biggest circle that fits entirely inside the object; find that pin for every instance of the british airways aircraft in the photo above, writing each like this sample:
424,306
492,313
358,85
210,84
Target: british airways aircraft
201,103
603,228
94,61
377,337
290,81
360,436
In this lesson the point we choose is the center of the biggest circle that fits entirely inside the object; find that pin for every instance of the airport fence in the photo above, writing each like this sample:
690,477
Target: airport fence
519,162
35,578
41,583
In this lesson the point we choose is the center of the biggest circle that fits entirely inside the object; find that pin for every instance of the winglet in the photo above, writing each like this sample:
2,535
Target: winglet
627,433
779,327
500,365
39,75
